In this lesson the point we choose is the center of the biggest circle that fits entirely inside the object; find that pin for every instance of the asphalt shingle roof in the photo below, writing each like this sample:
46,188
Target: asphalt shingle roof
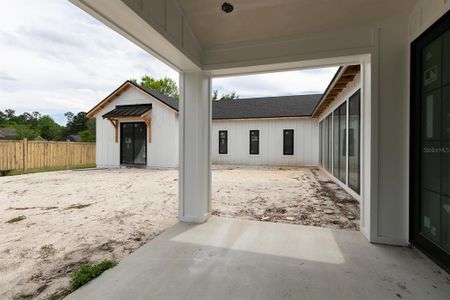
267,107
169,101
7,132
270,107
250,108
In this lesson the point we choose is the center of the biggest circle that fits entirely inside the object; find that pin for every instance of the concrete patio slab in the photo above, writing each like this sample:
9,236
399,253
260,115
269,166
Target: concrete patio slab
239,259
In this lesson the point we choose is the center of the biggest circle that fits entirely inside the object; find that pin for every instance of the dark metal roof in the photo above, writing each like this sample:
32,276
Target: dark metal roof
270,107
128,111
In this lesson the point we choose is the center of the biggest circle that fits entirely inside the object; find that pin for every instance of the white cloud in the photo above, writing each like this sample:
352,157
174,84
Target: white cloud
56,58
311,81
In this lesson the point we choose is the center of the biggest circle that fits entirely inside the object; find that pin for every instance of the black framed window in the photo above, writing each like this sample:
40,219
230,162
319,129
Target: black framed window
288,142
254,142
354,128
223,141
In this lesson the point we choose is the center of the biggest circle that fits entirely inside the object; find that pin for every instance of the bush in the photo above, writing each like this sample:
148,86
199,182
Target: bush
88,272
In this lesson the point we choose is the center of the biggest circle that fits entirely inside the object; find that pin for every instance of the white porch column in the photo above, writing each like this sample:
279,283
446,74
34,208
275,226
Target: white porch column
195,147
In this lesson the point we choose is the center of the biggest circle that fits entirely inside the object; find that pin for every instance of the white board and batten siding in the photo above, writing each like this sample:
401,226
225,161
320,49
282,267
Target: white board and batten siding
162,152
306,142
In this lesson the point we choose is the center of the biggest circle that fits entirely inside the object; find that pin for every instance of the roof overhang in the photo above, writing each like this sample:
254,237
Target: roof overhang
116,93
128,111
343,77
179,31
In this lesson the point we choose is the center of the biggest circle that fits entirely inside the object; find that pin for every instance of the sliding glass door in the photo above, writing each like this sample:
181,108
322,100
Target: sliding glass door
430,142
133,143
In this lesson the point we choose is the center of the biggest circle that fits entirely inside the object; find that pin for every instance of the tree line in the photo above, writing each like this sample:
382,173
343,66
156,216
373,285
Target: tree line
34,125
168,87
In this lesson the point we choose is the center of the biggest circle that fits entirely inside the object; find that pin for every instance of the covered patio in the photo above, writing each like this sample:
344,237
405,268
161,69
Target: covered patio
238,259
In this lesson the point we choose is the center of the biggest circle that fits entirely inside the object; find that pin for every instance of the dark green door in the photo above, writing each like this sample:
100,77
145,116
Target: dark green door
430,142
133,143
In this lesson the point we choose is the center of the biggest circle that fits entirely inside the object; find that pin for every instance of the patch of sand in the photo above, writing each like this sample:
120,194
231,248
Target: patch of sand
290,195
85,216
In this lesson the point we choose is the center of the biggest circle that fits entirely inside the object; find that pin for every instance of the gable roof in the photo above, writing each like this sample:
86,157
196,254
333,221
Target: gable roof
250,108
128,110
168,101
268,107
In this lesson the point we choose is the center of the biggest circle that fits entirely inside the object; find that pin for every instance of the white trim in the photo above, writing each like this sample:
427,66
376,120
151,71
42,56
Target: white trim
181,145
347,154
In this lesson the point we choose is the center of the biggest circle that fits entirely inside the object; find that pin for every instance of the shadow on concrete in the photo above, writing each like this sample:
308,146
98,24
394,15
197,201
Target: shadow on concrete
240,259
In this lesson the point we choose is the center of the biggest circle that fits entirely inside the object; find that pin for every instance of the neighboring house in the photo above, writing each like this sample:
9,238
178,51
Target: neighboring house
73,138
138,126
7,133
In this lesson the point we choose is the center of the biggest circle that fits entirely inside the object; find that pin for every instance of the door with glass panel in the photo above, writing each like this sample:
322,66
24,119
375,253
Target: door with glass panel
133,143
430,142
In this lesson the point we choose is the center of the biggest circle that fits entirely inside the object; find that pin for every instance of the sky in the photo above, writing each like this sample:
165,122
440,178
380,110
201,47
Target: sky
56,58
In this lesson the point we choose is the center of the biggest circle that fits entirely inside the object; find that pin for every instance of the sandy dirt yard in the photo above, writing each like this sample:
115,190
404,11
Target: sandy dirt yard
78,217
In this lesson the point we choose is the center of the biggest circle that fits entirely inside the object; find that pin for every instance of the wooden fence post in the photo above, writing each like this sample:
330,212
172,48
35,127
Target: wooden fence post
25,155
67,154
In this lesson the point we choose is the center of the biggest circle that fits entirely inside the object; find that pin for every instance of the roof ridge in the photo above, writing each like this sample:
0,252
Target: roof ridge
268,98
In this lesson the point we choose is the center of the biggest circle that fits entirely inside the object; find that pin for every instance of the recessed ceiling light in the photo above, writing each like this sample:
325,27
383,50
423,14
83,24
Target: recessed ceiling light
227,7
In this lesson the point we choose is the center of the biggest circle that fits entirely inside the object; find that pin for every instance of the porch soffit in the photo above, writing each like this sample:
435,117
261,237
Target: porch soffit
195,35
336,86
255,20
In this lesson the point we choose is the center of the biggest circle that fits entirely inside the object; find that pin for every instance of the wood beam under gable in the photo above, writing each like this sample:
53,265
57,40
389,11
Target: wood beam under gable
336,87
148,122
115,124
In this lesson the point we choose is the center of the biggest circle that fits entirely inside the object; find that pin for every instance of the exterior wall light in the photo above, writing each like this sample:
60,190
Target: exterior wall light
227,7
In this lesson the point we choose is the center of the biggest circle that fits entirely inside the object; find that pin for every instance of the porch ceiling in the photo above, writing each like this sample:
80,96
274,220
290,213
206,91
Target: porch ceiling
273,19
193,35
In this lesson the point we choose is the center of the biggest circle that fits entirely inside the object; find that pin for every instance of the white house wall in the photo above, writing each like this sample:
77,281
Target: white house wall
162,152
306,142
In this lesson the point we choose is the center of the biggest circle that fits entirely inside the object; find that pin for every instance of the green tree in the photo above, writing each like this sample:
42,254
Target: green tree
48,129
229,96
24,132
3,119
88,135
165,86
75,123
10,113
31,125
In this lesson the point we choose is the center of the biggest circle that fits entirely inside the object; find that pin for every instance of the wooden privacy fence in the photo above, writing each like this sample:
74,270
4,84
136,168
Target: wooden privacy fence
24,154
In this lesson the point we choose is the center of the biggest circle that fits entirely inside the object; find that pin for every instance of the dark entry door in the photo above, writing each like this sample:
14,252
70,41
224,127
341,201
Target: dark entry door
430,142
133,143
